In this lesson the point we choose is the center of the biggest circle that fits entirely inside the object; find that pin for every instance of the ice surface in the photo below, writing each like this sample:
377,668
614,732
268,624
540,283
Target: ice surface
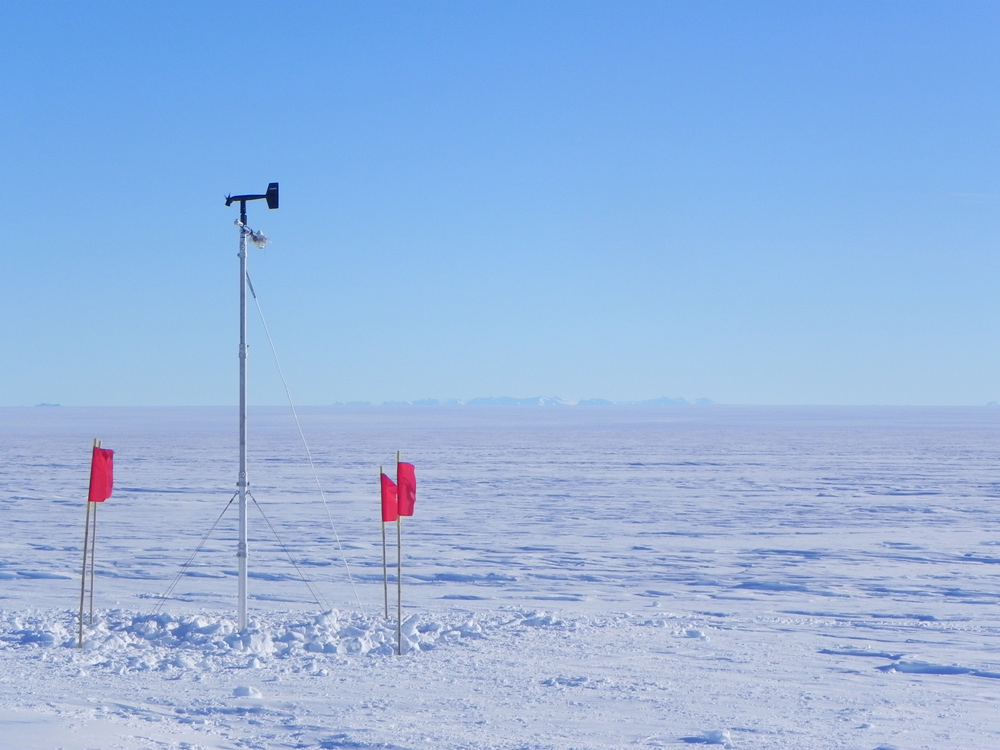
574,578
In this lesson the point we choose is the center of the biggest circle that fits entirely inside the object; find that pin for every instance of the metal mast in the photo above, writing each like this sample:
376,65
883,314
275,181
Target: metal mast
242,483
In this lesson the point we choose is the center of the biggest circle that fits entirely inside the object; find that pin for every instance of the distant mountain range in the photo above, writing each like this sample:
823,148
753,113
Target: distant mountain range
539,401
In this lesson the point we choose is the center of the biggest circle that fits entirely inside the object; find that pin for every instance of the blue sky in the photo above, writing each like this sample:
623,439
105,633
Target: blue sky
761,203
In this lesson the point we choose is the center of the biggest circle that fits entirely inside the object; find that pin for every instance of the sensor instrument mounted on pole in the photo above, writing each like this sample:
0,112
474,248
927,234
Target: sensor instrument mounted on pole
242,485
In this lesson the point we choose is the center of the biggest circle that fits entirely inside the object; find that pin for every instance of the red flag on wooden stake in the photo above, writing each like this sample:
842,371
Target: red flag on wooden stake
406,478
101,470
388,500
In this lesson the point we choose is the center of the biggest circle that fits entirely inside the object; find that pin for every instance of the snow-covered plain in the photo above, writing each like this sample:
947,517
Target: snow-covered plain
600,577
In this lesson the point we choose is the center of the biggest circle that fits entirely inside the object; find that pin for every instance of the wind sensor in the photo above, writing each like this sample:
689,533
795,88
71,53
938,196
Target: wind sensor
271,196
242,485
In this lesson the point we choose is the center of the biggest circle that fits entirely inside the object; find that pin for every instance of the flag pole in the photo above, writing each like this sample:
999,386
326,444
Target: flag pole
93,554
385,569
86,544
399,573
83,572
83,575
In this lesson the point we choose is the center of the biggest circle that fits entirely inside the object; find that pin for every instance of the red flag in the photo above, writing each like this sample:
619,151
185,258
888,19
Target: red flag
101,470
407,479
388,499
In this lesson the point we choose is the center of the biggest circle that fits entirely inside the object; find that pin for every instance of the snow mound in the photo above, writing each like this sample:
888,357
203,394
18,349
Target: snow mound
711,737
126,641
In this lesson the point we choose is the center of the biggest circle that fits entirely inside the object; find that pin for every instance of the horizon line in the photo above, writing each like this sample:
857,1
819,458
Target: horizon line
509,403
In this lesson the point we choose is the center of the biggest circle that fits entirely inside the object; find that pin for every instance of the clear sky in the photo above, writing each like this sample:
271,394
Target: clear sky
757,202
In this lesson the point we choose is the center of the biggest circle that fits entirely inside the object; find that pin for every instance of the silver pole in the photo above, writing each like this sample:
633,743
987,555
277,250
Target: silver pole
241,483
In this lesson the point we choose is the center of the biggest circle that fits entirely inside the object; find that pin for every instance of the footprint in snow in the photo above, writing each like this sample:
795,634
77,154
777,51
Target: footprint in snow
565,681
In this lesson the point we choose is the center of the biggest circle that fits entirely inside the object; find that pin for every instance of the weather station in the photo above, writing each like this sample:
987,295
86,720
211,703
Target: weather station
242,484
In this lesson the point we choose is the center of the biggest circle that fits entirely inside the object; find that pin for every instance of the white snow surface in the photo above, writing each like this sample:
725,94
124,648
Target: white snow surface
647,577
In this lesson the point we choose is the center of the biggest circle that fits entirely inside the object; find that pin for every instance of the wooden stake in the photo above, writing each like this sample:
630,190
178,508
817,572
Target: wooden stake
399,585
385,569
83,572
399,572
93,559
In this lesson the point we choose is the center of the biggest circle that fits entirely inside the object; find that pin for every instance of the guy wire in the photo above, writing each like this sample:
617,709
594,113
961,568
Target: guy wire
319,600
201,544
312,465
